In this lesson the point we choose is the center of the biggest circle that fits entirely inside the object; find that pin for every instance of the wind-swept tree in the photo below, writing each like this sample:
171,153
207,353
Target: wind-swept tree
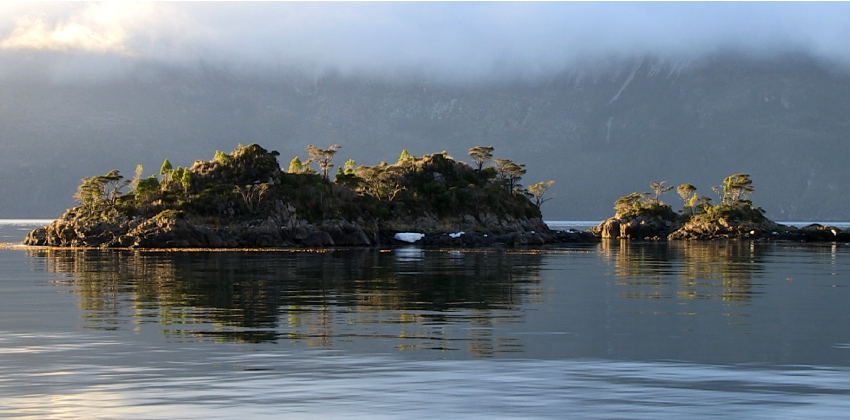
659,189
537,192
509,173
735,189
481,155
113,182
90,193
323,157
100,190
738,187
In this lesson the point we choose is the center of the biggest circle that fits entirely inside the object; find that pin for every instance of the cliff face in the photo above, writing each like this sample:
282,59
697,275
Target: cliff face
243,199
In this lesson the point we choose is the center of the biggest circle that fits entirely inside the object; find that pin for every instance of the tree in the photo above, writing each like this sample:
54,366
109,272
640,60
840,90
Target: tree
687,192
481,155
659,189
405,157
537,192
177,175
90,193
165,171
186,180
509,173
295,166
382,181
738,187
137,177
113,183
630,203
735,189
147,188
252,194
323,157
100,190
702,203
346,175
223,158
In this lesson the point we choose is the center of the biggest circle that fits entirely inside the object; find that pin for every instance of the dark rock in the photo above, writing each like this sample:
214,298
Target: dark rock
37,237
318,239
640,228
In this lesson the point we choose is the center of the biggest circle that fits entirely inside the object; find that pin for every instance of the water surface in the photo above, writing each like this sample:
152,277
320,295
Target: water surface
608,331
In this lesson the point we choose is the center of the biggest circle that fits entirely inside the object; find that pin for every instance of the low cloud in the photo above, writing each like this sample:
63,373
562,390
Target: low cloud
453,41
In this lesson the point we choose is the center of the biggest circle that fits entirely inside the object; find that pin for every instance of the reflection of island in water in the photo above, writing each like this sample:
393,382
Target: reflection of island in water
320,298
686,270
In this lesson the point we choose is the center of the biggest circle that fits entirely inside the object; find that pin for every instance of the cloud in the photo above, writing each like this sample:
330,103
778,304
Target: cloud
35,35
458,41
73,28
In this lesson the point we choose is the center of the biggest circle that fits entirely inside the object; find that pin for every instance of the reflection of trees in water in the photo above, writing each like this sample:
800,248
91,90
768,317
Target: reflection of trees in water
314,297
699,270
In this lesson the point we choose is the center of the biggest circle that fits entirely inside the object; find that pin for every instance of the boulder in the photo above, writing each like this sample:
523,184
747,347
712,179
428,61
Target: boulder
318,239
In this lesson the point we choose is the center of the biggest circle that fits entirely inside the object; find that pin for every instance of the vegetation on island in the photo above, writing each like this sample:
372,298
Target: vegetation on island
733,205
247,187
645,215
248,181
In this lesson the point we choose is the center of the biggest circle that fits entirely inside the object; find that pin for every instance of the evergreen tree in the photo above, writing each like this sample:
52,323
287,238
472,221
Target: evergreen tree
165,171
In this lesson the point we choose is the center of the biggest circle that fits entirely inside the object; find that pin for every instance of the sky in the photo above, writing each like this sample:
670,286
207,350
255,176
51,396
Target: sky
453,41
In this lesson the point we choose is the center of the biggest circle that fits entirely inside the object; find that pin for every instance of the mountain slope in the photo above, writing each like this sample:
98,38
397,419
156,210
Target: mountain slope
600,132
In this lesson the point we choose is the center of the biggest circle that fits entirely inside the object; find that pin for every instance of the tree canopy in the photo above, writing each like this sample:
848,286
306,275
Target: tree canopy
323,157
481,155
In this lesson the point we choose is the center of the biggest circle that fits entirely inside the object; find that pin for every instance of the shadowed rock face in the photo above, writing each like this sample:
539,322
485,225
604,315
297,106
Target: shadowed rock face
176,233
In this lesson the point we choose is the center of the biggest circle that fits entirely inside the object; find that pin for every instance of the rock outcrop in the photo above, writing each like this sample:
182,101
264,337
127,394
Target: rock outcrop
723,229
244,199
639,228
173,232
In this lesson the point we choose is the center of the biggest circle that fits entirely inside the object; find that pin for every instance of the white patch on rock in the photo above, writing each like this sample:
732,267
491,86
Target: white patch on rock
456,235
409,236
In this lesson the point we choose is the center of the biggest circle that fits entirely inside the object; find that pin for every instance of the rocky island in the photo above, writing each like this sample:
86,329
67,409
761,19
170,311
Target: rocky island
244,199
643,216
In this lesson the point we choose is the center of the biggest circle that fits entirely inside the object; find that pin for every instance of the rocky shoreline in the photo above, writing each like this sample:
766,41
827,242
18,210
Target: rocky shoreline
465,232
173,232
655,229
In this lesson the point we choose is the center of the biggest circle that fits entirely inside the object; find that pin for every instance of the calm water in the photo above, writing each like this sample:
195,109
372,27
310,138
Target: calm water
609,331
